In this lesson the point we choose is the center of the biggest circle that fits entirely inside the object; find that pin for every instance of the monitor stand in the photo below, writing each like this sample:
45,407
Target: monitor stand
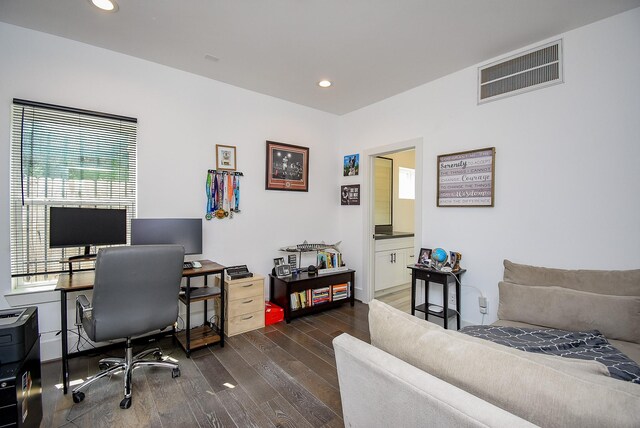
87,255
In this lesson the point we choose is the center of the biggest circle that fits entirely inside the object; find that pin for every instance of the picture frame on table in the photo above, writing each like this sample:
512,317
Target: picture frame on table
424,258
225,157
287,167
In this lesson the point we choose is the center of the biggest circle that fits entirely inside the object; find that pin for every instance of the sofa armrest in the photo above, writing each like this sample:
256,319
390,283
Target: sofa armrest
378,389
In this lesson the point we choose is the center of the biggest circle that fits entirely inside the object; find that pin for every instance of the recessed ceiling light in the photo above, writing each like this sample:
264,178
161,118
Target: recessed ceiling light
108,5
324,83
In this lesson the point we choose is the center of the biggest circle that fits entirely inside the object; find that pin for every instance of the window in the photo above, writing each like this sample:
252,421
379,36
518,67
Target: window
64,157
406,183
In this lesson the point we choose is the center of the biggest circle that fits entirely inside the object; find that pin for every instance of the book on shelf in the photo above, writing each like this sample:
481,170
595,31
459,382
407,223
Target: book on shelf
317,296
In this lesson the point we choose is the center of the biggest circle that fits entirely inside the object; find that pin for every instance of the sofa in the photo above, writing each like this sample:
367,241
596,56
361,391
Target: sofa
415,373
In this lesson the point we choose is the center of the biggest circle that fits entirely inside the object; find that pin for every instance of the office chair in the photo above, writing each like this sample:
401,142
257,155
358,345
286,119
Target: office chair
135,292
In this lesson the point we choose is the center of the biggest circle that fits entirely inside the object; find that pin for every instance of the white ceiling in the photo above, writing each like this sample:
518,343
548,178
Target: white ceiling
370,49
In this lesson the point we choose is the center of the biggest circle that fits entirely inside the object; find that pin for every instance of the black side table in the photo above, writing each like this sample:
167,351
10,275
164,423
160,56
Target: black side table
444,278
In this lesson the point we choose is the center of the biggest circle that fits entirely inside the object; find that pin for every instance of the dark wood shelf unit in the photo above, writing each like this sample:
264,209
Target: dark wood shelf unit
438,277
281,288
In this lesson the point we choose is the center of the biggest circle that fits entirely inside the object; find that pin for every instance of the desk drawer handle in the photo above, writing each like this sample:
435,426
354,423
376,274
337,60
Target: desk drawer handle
247,318
248,285
248,301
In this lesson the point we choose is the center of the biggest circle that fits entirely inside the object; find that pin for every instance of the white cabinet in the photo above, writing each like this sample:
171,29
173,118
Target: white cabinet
391,260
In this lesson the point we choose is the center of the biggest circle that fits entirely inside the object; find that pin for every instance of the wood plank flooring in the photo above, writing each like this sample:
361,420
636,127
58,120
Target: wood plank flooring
283,375
400,299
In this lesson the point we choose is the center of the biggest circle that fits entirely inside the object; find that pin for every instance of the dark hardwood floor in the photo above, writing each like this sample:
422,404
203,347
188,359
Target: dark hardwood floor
283,375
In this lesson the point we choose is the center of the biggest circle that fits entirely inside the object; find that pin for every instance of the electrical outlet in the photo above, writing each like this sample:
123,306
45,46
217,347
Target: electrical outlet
482,302
452,299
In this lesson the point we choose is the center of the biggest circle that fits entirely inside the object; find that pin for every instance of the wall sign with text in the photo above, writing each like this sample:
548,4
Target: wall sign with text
350,194
466,179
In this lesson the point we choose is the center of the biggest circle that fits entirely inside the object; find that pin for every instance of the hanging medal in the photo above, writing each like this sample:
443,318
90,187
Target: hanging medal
208,215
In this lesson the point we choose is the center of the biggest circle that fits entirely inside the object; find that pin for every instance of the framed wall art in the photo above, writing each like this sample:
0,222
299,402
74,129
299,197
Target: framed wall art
225,157
287,167
466,179
351,165
350,194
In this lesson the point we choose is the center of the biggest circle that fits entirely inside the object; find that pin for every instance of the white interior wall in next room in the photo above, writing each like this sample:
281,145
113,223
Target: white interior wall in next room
567,176
181,117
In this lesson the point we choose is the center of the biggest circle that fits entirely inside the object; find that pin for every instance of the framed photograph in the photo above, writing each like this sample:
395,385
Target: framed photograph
351,165
350,194
424,259
225,157
466,179
283,270
278,261
287,167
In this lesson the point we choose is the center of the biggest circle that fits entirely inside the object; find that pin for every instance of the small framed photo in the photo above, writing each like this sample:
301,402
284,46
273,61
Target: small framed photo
424,259
283,270
225,157
287,167
350,194
278,261
351,165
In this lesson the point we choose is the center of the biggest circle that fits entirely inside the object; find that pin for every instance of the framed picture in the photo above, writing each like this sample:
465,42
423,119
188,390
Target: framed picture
466,179
351,165
225,157
278,261
287,167
424,259
283,270
350,194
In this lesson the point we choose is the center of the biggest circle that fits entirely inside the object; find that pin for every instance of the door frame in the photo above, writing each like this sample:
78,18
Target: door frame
369,203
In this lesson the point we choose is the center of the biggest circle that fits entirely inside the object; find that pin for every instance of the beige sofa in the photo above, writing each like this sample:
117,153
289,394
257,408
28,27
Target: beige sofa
414,373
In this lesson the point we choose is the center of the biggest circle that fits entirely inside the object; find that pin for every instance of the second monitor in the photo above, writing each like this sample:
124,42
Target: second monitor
180,231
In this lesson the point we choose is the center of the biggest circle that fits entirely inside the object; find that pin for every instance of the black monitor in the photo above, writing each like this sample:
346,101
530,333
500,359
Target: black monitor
181,231
86,227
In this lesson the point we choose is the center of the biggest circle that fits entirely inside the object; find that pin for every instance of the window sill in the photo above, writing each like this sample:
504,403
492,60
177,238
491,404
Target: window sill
29,296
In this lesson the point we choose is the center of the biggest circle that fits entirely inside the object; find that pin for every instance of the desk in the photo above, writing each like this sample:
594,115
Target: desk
443,278
84,280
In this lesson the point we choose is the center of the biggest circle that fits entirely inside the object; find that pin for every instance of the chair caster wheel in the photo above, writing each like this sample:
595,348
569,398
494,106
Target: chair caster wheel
157,355
78,396
125,403
175,373
103,366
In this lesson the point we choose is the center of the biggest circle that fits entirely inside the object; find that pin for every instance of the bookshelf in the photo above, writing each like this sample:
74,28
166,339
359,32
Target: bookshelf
302,294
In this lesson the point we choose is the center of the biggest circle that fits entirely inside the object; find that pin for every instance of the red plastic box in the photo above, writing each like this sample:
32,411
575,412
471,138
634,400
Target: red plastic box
272,313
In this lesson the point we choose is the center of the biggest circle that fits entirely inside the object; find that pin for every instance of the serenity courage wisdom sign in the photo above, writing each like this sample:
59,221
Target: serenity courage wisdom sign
465,179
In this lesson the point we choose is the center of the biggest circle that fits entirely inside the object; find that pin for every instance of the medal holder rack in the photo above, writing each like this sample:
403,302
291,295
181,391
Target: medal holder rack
223,194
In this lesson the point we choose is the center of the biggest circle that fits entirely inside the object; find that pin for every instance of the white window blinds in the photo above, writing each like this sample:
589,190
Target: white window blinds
64,157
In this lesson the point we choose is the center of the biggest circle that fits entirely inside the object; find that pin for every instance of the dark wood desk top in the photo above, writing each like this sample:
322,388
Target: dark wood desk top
84,280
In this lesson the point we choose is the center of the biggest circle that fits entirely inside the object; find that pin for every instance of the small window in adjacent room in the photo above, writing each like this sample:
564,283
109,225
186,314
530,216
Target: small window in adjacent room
63,157
406,183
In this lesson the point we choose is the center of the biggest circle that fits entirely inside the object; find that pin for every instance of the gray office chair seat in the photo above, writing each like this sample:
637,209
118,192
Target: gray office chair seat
135,292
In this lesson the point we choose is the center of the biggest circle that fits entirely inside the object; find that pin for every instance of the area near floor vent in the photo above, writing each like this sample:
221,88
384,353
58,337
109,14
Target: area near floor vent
525,71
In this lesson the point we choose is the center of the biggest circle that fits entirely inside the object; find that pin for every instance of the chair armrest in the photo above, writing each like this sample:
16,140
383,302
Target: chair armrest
83,308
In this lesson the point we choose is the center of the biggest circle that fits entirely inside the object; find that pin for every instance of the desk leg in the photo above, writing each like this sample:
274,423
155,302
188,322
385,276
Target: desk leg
413,293
222,309
445,302
63,333
187,295
352,285
205,304
458,303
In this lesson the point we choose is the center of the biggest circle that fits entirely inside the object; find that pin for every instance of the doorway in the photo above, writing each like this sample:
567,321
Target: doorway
391,241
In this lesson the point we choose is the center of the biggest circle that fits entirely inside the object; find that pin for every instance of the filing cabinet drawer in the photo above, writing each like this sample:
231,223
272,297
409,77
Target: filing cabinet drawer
244,306
246,322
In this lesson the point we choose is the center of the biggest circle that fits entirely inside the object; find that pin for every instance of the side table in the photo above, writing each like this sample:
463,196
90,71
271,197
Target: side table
445,279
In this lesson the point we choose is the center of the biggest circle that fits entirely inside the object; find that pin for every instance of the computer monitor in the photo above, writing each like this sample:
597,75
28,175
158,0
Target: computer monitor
181,231
86,227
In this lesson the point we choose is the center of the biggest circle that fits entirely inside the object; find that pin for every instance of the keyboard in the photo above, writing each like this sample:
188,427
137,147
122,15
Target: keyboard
187,265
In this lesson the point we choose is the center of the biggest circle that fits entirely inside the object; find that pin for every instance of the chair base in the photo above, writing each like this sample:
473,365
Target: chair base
109,366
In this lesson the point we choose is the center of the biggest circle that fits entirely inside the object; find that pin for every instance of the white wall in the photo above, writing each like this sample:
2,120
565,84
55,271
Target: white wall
181,118
567,174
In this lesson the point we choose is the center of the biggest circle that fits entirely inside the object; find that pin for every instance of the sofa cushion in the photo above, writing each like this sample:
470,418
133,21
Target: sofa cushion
614,282
617,317
538,392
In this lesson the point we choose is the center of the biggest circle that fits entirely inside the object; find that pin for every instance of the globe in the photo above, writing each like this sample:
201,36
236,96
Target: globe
439,255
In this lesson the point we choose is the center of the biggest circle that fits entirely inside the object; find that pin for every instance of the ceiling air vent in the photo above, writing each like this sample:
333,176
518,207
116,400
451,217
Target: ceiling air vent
526,71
